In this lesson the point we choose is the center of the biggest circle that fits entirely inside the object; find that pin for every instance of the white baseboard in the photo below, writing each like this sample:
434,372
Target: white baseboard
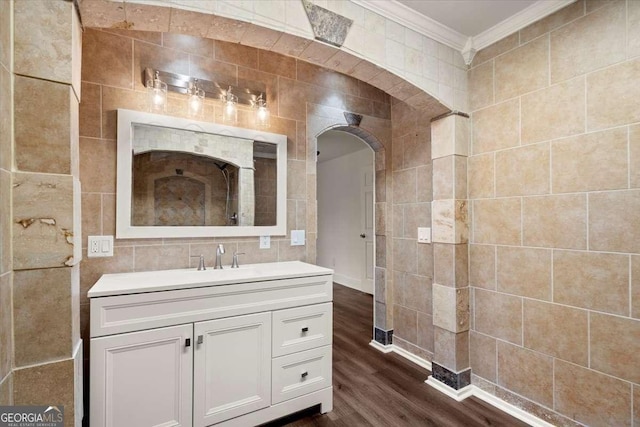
468,391
347,281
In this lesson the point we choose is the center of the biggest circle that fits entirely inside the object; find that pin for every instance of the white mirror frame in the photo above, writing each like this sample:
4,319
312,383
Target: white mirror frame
124,229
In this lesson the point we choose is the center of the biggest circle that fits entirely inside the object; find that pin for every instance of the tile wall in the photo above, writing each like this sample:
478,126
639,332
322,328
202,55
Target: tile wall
554,187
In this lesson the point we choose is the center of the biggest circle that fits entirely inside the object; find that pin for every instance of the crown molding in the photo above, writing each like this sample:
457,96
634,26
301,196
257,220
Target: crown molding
525,17
431,28
411,19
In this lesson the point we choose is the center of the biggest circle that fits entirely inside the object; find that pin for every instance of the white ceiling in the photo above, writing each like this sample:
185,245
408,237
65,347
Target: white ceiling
468,17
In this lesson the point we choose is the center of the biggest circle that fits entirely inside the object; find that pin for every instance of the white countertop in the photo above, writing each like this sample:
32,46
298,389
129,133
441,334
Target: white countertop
166,280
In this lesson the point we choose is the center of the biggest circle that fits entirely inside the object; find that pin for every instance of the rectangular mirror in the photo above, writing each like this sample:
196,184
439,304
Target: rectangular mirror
182,178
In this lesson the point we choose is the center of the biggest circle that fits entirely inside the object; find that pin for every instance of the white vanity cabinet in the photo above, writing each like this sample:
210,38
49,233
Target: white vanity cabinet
187,348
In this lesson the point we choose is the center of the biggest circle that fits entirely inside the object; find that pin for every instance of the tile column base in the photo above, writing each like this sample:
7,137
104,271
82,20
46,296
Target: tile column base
455,380
382,336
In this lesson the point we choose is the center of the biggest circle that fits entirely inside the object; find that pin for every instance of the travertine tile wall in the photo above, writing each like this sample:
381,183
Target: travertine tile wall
411,208
6,159
555,239
40,219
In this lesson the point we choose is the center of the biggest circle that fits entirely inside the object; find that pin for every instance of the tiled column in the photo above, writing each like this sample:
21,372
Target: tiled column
450,230
46,206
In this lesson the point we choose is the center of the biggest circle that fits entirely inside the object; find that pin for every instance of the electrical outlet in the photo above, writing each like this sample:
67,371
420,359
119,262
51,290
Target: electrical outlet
424,234
100,246
265,242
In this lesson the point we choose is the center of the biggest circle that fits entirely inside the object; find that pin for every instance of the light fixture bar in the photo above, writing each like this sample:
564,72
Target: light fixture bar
214,90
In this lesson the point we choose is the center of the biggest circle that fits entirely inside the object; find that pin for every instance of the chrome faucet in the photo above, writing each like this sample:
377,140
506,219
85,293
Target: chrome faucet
219,252
201,264
234,264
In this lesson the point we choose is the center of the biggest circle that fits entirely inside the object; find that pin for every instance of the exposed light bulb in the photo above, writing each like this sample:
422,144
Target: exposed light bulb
261,112
229,112
157,94
196,99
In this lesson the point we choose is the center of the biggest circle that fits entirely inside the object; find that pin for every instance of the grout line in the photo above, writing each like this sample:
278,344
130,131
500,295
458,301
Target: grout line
589,339
553,383
588,196
630,286
629,157
552,275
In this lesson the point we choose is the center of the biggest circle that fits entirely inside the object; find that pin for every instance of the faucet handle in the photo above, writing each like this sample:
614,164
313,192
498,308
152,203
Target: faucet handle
201,263
234,264
220,248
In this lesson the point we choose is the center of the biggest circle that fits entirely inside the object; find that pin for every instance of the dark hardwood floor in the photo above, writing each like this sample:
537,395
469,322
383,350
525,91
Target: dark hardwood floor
371,388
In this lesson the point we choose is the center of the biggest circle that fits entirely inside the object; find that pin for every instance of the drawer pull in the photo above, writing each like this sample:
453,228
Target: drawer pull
304,374
187,342
305,329
200,339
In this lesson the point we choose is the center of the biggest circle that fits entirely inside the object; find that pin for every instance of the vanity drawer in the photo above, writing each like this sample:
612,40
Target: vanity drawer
300,373
302,328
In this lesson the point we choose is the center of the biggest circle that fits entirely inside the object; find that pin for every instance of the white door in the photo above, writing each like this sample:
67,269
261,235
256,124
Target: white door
142,378
232,367
367,227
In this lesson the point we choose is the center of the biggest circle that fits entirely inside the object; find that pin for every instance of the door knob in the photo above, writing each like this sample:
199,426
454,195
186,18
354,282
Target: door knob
363,235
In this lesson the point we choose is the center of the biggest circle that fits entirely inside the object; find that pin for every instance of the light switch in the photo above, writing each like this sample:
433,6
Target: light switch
424,234
100,246
265,242
297,237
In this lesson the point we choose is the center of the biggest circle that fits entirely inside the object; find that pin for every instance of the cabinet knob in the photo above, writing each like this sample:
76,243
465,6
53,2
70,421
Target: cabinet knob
187,342
305,329
304,374
200,339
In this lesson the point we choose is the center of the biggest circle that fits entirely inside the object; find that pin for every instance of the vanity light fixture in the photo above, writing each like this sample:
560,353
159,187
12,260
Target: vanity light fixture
261,112
229,106
158,82
156,94
196,99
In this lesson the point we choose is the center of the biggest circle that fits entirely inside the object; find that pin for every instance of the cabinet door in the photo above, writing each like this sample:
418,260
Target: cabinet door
232,367
142,378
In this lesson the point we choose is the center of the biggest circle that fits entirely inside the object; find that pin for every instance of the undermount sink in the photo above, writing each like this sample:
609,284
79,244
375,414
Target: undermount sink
163,280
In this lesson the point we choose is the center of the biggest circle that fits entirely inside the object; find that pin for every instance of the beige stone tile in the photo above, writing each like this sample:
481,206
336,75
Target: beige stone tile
91,269
416,215
449,221
449,177
633,29
6,258
481,176
229,30
451,308
496,127
482,352
498,48
425,332
612,96
91,111
161,257
398,221
145,36
589,397
425,259
5,34
98,165
635,286
555,221
418,293
451,264
450,136
535,382
522,70
43,225
380,315
634,156
253,253
404,186
234,53
424,176
259,37
91,214
554,112
286,252
190,44
46,55
6,327
296,183
404,255
579,277
6,390
553,21
451,349
290,45
595,161
114,98
189,23
614,221
416,150
593,5
100,48
6,131
144,17
51,382
615,346
498,315
556,330
481,86
381,251
147,55
405,323
482,266
42,123
589,43
497,221
524,271
636,406
523,171
109,214
42,309
381,218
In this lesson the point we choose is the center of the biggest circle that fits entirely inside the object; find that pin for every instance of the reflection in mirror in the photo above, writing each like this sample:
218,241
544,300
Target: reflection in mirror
186,182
